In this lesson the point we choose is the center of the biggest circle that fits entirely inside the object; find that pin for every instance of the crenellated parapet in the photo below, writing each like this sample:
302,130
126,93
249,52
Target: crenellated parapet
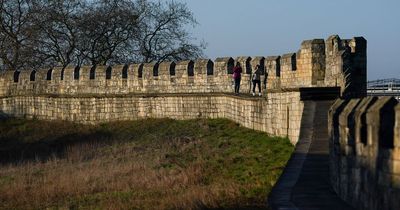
318,63
346,64
288,70
273,67
86,94
365,151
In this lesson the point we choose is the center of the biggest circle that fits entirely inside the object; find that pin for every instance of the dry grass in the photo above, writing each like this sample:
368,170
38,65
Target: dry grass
187,165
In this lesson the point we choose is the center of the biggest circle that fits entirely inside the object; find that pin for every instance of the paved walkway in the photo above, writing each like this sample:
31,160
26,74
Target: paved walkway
305,183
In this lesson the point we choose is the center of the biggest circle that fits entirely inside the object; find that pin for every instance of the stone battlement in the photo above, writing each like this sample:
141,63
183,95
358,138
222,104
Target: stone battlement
318,63
320,70
365,151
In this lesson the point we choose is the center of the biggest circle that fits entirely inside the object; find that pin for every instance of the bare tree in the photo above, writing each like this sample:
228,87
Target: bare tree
106,30
17,35
59,28
42,33
163,33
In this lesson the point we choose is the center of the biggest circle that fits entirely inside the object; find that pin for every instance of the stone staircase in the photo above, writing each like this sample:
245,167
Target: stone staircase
304,183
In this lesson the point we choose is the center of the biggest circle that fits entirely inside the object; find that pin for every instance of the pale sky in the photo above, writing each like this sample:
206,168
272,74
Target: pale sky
275,27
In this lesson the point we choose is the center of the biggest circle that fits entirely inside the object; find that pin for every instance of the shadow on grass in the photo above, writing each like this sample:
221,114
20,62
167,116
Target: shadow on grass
20,142
239,208
221,143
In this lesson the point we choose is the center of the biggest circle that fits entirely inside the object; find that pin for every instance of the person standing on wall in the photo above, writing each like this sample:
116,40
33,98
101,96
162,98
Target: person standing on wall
265,80
237,75
256,78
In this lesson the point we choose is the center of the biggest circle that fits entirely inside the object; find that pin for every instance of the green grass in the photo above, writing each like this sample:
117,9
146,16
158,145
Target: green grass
186,164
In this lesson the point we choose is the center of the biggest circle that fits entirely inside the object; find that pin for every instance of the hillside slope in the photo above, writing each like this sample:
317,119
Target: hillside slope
146,164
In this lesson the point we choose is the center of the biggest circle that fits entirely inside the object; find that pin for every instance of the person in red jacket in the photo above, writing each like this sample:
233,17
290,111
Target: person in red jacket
237,75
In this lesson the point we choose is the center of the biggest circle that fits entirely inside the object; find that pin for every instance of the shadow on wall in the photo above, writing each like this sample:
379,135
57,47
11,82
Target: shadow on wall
364,152
3,116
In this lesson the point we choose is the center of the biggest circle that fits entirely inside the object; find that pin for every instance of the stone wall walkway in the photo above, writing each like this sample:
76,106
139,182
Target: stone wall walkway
305,183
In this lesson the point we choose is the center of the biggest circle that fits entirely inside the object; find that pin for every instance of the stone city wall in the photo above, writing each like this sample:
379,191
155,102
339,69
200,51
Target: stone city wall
365,151
189,89
279,114
318,63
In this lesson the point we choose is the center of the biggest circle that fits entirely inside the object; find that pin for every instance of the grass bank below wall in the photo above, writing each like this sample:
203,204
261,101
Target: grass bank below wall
146,164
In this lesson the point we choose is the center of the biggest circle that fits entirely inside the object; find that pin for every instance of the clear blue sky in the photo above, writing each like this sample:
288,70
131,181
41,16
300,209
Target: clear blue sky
274,27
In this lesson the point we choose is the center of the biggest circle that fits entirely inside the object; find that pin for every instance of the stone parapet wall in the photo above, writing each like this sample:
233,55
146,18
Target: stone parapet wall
318,63
365,152
346,64
73,93
279,114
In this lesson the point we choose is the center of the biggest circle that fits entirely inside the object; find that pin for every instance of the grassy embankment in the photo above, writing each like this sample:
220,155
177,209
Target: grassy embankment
147,164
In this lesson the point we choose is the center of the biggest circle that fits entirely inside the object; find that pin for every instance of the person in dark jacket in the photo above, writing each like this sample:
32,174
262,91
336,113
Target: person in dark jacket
237,75
256,78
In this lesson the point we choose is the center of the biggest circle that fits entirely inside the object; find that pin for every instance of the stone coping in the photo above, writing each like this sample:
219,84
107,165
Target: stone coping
313,93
